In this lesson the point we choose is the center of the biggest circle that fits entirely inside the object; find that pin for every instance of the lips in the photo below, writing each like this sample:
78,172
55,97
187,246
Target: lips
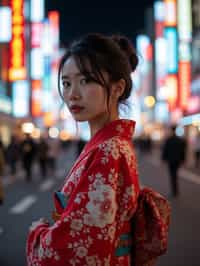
76,108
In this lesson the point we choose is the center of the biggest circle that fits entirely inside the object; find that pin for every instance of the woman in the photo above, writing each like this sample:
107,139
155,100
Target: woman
99,196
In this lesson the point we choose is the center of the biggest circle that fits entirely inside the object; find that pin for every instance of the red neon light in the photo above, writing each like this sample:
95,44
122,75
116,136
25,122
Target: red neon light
36,108
149,52
184,78
159,29
54,17
17,69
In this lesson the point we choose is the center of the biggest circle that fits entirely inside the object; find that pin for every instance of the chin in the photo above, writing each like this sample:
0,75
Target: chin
79,119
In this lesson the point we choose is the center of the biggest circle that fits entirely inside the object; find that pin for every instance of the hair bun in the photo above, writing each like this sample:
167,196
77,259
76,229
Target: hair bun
126,46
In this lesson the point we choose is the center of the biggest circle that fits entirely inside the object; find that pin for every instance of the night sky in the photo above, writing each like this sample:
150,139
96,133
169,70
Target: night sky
109,17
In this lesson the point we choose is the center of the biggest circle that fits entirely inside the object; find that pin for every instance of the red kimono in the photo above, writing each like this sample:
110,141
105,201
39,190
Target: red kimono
94,206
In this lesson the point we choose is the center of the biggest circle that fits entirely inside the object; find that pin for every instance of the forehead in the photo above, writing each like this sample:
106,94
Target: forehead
70,67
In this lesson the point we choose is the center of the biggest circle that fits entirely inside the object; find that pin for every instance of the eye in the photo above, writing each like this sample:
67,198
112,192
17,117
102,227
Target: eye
66,84
84,81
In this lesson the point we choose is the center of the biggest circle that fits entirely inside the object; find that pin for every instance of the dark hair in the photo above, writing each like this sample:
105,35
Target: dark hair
95,53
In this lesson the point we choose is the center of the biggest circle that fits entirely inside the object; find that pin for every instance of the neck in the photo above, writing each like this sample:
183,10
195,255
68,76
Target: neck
99,123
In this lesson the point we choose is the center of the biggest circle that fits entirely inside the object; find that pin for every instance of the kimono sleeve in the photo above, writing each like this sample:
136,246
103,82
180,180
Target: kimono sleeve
90,219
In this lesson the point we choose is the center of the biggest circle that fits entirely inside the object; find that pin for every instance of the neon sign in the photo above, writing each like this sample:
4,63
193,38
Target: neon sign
17,70
184,83
171,83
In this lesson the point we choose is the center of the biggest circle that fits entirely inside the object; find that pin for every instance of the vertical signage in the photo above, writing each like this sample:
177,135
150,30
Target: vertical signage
170,13
171,37
172,90
184,83
6,24
37,56
184,19
53,17
36,108
160,50
20,95
17,69
172,49
185,37
37,10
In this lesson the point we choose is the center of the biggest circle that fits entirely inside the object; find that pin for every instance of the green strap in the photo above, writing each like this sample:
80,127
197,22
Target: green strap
125,248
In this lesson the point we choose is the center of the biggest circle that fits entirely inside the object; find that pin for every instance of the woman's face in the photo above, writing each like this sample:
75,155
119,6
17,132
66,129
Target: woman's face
86,99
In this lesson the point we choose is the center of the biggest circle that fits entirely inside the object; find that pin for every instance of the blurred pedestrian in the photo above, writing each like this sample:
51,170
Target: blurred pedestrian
53,153
13,156
197,151
42,154
174,153
94,208
28,150
145,143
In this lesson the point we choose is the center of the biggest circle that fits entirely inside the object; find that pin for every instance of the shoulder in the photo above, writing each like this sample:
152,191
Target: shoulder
115,149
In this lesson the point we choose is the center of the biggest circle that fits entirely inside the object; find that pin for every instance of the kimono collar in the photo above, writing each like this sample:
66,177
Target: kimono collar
123,128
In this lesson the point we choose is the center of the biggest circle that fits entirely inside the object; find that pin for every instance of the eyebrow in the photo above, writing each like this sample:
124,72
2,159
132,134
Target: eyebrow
76,75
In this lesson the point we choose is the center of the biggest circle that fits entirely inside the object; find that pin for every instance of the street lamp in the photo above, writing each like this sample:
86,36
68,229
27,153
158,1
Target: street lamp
149,101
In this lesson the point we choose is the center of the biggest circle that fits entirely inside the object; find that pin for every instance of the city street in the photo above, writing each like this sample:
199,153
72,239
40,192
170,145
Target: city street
26,202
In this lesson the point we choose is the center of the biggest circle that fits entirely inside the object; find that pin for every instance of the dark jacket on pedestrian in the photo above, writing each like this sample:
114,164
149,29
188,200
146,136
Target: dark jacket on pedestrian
13,151
28,149
42,150
174,150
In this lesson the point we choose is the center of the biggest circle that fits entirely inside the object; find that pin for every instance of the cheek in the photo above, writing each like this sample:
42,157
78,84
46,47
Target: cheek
97,95
65,96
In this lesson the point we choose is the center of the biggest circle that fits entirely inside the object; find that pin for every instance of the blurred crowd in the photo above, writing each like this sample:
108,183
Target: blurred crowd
21,156
24,153
145,145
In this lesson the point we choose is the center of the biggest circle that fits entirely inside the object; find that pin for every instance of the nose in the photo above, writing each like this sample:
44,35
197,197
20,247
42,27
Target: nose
74,93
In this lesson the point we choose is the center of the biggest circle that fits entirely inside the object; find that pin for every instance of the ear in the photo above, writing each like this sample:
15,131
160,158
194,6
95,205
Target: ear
118,88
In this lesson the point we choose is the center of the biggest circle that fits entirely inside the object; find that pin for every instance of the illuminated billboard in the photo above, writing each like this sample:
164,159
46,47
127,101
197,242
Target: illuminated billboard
53,17
17,69
184,83
172,49
36,34
184,20
170,13
161,61
5,104
21,98
36,100
46,42
171,83
37,63
142,43
185,54
6,24
159,11
37,10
